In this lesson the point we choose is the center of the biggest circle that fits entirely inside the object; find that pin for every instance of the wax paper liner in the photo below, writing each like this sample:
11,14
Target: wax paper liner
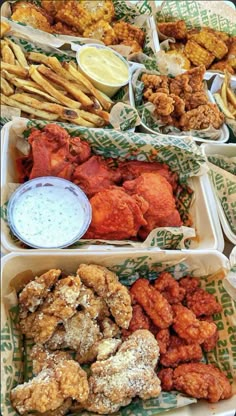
230,280
146,111
183,157
134,13
16,364
223,176
123,116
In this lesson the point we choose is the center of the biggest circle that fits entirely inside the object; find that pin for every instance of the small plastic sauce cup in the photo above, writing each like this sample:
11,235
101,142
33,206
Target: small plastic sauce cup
49,212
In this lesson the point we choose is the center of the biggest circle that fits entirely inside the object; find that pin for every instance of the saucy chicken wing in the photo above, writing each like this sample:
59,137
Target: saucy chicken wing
202,303
169,288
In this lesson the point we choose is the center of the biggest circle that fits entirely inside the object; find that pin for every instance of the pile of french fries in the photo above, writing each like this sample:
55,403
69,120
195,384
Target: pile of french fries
45,88
226,98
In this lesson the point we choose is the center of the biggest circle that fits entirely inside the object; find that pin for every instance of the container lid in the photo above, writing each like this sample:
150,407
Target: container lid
49,212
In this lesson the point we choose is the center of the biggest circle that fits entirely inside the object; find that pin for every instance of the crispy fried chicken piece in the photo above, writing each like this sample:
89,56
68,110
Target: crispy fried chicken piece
210,343
116,215
152,301
125,31
139,320
127,374
103,31
166,377
189,327
180,85
52,6
195,99
196,76
36,291
202,117
131,169
60,411
164,103
48,390
190,284
182,353
107,347
64,29
202,303
83,14
42,358
203,381
177,30
109,328
169,288
156,83
94,305
32,15
106,284
94,175
158,193
179,105
222,66
59,306
163,339
54,152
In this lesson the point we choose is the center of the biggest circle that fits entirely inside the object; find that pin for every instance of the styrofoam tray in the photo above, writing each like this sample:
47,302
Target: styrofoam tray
228,150
67,260
224,131
204,212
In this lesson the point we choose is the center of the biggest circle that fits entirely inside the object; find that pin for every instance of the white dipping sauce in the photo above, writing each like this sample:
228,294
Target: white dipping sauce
48,216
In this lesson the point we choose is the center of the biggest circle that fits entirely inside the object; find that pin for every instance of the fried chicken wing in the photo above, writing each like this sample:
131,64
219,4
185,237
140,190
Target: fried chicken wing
179,105
179,85
113,382
180,354
106,284
202,303
190,284
177,30
125,31
36,291
116,215
166,377
189,327
139,320
94,175
203,381
163,339
210,343
157,191
48,390
152,301
202,117
169,288
196,76
42,358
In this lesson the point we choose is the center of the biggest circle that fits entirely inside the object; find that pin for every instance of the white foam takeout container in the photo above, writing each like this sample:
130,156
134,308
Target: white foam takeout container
37,262
228,150
204,211
224,131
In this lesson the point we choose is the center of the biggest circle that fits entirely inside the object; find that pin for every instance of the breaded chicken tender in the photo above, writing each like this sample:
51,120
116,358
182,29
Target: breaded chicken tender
202,303
127,374
193,100
106,284
36,291
202,117
48,390
152,301
189,327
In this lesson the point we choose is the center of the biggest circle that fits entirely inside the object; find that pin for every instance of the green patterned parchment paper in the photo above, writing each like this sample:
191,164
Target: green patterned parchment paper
217,15
182,156
223,176
16,364
123,116
132,12
146,110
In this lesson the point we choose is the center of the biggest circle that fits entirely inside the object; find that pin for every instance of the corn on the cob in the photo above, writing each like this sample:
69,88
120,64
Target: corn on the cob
181,59
210,42
125,31
198,55
101,31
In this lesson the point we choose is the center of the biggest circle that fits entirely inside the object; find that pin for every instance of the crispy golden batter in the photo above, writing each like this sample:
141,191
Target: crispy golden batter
177,30
52,6
181,354
163,103
179,105
103,31
109,328
107,347
105,283
113,382
222,66
179,85
202,303
163,339
210,343
139,321
196,76
202,117
126,31
193,100
152,301
169,288
31,15
42,358
36,291
48,390
197,54
189,327
60,411
156,83
64,29
94,305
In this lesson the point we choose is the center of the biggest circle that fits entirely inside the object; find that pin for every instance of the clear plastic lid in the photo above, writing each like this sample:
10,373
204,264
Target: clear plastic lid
49,212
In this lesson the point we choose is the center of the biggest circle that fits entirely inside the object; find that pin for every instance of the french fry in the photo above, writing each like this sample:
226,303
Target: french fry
231,96
29,110
32,87
8,55
14,69
71,88
4,28
81,122
6,87
37,57
48,88
19,54
106,104
223,92
222,106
